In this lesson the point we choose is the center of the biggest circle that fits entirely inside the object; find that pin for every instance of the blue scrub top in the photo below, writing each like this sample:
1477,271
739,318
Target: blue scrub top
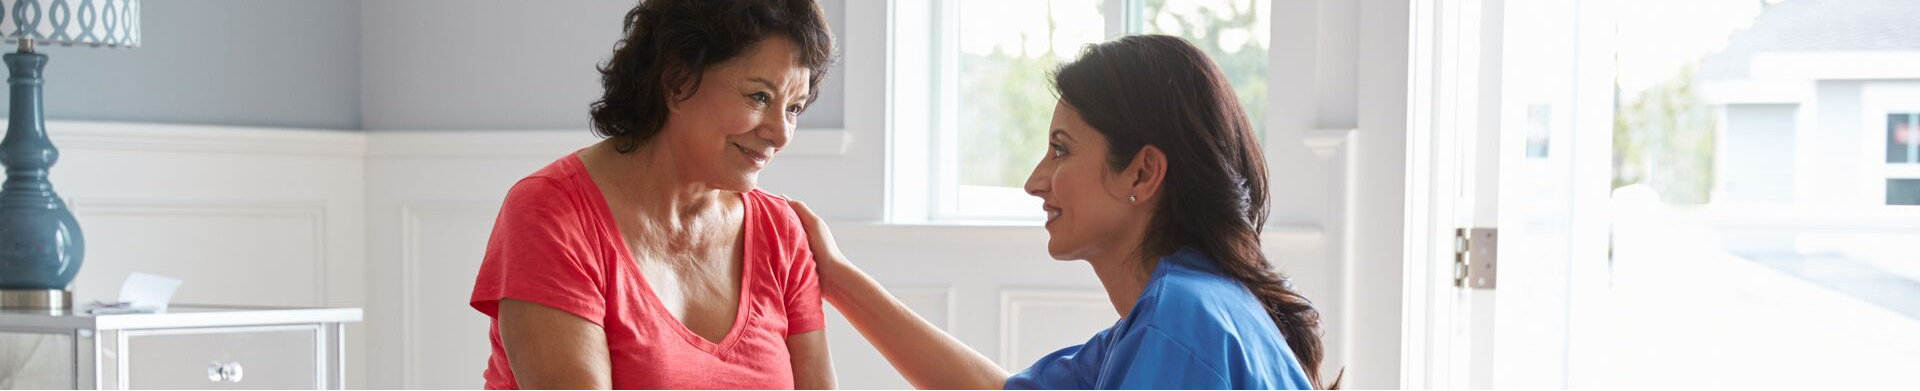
1192,328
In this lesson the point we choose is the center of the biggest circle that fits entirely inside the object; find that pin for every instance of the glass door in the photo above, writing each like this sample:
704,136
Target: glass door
1705,194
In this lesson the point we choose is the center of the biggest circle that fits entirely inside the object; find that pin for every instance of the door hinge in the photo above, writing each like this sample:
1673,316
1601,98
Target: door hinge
1474,263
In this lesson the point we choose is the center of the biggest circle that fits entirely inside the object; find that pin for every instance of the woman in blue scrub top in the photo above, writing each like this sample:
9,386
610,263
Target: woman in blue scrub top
1152,175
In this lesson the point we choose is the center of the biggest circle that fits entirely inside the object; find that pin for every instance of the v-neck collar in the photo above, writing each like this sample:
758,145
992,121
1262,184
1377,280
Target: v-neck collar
652,298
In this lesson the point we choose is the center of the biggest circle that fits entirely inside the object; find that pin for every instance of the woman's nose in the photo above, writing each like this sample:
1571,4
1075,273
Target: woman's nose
778,130
1037,181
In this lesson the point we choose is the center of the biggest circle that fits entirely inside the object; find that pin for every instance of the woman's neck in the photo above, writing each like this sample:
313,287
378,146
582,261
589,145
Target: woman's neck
652,182
1124,270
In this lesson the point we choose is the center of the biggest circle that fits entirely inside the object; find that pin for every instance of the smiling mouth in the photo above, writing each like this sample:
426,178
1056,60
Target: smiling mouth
1053,212
758,159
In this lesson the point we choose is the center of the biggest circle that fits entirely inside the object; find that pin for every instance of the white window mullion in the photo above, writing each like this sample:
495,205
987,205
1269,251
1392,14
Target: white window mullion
1903,171
1133,16
911,161
945,126
1116,17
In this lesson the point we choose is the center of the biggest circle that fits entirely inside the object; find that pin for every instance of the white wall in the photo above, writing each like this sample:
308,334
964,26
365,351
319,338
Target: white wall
1759,154
1837,125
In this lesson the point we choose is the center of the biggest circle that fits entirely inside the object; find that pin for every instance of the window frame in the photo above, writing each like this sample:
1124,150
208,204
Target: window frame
1909,170
1878,103
924,152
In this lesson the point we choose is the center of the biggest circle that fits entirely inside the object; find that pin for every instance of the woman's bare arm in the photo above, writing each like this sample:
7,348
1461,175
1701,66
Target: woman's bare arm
552,349
927,357
812,366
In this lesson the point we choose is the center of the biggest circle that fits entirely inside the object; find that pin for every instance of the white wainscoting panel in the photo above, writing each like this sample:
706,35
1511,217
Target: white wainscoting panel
244,215
270,254
440,244
858,366
1034,323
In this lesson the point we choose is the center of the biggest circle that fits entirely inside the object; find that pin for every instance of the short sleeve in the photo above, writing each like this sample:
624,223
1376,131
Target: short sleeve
802,293
541,252
1157,361
1070,368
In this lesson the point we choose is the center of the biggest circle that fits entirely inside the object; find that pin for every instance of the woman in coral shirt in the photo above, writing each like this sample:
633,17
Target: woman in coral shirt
649,260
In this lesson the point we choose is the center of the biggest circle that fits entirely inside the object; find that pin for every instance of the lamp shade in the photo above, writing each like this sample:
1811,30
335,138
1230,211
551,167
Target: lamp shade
95,23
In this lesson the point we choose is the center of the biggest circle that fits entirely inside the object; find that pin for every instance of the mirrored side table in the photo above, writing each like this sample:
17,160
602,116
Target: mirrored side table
186,347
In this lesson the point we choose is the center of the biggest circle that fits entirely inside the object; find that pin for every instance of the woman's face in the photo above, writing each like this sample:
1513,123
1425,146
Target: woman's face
1087,208
739,117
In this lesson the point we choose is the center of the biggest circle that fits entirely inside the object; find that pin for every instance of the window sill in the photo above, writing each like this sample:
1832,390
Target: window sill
1000,231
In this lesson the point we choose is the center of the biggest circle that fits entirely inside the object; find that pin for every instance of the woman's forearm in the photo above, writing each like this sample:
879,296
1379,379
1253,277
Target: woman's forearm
927,357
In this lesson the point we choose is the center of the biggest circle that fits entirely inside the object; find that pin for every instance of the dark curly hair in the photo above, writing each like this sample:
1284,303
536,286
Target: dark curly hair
670,44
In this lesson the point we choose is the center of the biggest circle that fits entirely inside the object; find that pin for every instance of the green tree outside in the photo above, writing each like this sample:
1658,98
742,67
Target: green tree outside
1664,137
1006,99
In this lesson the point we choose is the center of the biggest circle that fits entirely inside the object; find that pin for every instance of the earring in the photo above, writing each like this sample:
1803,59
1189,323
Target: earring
1131,200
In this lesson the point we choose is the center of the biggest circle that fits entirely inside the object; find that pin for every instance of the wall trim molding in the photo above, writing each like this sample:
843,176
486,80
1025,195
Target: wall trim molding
190,138
548,143
249,140
1273,237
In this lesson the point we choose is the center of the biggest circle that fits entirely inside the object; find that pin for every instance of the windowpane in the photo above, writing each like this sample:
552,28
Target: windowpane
1004,98
1235,33
1903,135
1903,192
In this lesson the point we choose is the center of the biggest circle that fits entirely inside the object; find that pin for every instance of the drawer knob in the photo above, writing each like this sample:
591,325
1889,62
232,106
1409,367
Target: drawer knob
231,372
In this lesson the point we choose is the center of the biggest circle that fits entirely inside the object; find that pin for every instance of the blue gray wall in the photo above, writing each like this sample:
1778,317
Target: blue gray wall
500,64
381,64
291,63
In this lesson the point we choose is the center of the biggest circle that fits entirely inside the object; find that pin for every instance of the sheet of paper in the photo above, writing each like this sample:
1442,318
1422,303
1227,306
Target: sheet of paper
148,292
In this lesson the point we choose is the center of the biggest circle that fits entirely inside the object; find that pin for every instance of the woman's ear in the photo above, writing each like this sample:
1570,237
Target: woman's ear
676,84
1148,172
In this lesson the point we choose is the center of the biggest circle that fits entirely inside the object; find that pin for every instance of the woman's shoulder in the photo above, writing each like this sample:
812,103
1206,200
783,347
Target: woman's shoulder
775,207
560,190
1187,292
777,229
1189,303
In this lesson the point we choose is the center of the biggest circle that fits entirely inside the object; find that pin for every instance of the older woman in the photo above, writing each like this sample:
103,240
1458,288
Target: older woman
649,260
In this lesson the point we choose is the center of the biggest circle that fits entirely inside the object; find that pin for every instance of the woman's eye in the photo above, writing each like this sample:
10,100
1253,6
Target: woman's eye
760,97
1058,151
794,109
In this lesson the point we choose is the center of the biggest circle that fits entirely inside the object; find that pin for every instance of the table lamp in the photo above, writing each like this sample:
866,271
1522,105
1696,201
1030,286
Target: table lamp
40,243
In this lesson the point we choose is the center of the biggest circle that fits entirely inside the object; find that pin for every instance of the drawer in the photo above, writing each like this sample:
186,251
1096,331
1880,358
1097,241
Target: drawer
254,358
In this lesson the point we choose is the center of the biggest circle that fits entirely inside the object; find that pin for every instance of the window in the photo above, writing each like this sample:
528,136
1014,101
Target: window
1903,138
1903,159
982,121
1903,192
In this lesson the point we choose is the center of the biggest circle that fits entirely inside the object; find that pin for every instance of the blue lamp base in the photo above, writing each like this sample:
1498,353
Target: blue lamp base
40,243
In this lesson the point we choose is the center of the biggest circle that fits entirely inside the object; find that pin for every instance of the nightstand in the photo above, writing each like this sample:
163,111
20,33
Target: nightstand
186,347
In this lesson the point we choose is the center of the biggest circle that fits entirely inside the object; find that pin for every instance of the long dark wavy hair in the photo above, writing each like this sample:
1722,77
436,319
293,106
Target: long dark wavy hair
1162,91
670,43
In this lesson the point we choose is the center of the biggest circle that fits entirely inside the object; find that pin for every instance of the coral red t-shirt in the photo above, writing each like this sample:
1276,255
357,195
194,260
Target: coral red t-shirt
555,244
